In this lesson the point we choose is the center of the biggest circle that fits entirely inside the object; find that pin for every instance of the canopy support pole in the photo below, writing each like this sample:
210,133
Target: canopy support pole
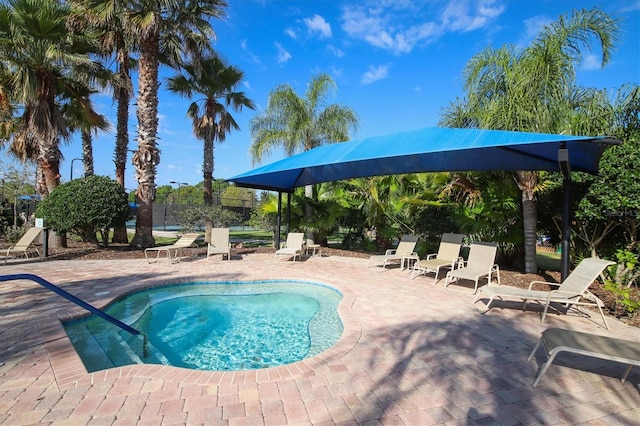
278,220
289,212
563,161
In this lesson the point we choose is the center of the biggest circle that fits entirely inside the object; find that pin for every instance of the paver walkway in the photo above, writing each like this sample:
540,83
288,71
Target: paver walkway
412,353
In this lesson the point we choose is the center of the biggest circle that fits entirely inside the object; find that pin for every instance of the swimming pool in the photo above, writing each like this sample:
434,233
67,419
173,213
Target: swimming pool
220,326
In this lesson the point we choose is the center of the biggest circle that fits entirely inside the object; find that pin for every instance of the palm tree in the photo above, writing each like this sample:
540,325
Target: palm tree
300,124
531,90
40,54
216,82
171,30
81,115
116,42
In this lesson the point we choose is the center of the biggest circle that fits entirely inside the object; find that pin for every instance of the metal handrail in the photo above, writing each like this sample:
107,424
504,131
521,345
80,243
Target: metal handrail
70,297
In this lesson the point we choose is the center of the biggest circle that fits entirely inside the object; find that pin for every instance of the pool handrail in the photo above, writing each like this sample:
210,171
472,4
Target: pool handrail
70,297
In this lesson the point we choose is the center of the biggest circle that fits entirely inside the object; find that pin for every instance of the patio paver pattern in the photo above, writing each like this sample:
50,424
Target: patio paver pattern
412,353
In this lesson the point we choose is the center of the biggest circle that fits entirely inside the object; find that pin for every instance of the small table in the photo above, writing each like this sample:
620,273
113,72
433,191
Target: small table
410,260
314,247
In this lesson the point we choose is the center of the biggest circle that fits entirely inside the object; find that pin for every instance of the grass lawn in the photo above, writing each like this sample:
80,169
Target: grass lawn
548,261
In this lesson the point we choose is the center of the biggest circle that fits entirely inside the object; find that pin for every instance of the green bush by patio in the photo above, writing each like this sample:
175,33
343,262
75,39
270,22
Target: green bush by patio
85,207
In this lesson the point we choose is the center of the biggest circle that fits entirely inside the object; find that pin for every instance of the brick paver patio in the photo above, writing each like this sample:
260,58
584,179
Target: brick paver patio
411,353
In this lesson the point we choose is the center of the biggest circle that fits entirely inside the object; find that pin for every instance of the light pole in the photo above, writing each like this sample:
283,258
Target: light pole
71,177
179,185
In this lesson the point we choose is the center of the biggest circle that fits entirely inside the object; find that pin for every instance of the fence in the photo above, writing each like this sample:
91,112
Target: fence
165,215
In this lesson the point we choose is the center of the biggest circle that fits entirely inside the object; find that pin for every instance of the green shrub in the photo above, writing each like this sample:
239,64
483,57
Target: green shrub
621,278
14,233
193,217
85,207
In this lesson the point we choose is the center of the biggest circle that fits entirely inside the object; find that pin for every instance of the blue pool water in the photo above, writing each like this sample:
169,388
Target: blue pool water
213,326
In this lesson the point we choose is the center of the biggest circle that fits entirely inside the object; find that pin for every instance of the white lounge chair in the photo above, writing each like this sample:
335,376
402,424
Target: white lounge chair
557,340
184,241
479,264
572,291
447,256
293,246
25,243
219,243
405,249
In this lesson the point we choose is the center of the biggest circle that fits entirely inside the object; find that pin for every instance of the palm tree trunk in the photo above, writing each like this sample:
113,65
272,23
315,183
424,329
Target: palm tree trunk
87,152
308,209
122,136
207,169
527,182
147,157
49,162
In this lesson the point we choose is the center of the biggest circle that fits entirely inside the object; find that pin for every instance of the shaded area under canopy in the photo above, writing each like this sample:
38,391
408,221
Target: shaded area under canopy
436,149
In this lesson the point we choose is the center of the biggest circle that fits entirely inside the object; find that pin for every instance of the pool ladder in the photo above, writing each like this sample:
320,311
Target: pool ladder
70,297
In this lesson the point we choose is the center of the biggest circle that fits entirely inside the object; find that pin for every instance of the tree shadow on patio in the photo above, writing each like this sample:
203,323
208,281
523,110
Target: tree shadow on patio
477,372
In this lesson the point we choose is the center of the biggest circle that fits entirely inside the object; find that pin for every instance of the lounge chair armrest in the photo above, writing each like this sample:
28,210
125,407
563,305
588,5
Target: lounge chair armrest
590,296
564,293
431,256
542,282
390,252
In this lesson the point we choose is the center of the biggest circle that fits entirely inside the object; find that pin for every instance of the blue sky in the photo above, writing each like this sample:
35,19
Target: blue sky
397,63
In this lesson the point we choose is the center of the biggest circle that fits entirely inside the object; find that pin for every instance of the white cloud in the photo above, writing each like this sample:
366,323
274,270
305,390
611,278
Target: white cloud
250,56
375,74
317,25
533,26
247,85
400,26
469,15
283,55
591,62
337,52
336,72
291,33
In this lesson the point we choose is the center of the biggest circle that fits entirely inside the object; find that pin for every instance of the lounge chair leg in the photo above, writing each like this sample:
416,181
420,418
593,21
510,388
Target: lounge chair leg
535,349
604,319
626,373
544,312
475,289
544,369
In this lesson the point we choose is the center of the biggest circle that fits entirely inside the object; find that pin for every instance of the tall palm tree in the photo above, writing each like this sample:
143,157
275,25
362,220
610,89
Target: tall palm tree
170,30
531,90
116,42
81,116
216,83
300,124
40,53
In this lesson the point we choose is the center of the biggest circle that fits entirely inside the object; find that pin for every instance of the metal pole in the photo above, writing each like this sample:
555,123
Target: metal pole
289,194
180,184
563,162
278,220
566,227
71,176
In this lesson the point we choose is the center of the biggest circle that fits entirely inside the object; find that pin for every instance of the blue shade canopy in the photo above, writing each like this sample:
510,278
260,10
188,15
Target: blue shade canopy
431,149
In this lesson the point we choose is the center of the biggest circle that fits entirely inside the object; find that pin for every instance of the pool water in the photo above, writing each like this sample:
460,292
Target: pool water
213,326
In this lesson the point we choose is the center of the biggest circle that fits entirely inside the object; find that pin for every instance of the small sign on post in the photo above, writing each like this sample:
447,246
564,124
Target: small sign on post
45,236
